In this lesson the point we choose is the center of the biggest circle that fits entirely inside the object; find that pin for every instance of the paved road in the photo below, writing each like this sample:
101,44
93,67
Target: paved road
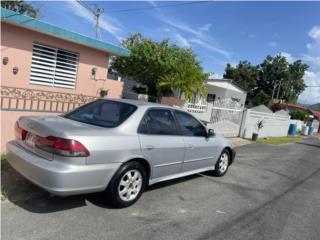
271,192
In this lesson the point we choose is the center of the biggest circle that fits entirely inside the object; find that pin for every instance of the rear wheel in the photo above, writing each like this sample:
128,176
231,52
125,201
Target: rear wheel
222,164
127,185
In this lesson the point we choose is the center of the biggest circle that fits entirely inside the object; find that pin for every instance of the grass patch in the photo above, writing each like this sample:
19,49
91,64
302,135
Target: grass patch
4,167
4,162
279,140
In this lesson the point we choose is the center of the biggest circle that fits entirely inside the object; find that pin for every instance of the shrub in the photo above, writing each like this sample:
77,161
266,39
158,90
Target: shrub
299,115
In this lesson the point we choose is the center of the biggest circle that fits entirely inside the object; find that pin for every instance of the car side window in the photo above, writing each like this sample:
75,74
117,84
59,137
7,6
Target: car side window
189,125
158,122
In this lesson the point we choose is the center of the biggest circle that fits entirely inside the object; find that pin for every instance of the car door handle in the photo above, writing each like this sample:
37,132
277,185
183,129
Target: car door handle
149,147
190,146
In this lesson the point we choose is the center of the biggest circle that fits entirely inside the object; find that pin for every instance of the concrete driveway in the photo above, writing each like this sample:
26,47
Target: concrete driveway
271,192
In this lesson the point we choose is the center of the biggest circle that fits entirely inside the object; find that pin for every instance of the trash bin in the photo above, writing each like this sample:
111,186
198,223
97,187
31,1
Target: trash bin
305,130
310,132
292,129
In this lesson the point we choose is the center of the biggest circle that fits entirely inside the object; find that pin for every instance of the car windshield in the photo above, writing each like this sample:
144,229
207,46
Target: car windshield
104,113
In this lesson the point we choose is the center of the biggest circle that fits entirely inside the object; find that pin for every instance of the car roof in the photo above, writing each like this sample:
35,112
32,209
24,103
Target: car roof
143,103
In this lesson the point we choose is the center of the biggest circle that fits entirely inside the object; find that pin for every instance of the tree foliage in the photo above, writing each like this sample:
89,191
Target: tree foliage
21,7
160,66
259,81
244,74
299,115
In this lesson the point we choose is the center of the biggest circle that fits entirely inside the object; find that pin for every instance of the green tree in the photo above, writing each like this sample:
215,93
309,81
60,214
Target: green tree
161,67
261,98
295,86
271,71
21,7
277,70
299,115
262,81
244,74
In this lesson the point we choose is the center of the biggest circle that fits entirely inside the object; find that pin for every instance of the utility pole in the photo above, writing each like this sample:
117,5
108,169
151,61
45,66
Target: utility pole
96,12
274,87
279,89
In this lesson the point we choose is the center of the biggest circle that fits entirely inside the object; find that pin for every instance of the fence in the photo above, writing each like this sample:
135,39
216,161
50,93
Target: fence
16,102
22,99
275,124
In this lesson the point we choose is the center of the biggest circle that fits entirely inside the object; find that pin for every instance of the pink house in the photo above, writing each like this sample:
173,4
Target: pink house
49,70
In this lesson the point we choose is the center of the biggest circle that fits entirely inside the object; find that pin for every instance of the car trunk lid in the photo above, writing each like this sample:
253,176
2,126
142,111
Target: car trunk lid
46,126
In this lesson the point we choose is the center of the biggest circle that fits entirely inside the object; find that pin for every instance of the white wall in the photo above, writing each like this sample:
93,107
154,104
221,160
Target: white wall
222,93
275,125
219,92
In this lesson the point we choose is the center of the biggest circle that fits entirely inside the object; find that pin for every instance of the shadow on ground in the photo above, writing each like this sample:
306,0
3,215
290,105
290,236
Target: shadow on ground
309,144
28,196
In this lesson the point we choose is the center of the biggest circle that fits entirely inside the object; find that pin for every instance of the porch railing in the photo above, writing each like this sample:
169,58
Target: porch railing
23,99
196,107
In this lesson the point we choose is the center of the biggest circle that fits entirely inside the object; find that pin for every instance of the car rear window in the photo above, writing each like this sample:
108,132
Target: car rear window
104,113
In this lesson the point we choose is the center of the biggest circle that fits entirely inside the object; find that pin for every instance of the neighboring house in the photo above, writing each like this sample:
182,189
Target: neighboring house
221,107
219,90
47,69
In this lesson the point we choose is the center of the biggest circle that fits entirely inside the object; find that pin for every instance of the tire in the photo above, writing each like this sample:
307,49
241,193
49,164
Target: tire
127,185
222,164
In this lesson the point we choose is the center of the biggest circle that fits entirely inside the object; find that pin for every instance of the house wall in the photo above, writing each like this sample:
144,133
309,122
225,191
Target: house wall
239,95
219,92
16,44
223,93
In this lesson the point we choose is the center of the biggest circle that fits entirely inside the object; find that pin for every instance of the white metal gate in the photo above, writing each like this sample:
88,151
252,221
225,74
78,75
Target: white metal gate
224,116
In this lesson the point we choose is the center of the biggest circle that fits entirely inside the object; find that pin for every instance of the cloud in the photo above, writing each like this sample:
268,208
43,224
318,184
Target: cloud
201,39
205,27
180,40
313,49
210,47
312,94
312,76
273,44
288,56
217,76
196,35
108,24
315,33
180,25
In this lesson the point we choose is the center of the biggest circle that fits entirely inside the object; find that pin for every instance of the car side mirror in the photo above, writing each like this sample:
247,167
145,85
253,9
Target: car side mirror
211,133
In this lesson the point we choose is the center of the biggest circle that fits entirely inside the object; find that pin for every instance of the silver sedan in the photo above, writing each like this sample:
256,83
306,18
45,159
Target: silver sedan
115,146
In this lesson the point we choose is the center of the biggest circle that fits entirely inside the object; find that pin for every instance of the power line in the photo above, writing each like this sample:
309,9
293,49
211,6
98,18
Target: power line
83,4
154,7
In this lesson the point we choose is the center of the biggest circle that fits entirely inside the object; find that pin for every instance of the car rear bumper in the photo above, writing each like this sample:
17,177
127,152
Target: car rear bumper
59,178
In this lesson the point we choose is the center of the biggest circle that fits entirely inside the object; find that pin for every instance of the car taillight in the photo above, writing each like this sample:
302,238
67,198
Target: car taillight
20,132
62,146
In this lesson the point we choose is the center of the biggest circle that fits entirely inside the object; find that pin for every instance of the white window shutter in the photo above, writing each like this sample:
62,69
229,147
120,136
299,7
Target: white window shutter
53,67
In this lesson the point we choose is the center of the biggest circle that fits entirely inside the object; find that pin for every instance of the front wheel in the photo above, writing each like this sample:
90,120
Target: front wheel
127,185
222,164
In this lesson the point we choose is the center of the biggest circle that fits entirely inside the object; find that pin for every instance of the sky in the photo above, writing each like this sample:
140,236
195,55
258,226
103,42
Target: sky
219,32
